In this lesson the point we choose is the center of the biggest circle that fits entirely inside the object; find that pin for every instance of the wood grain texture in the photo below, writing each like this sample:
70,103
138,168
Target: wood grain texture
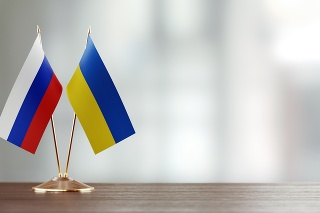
215,197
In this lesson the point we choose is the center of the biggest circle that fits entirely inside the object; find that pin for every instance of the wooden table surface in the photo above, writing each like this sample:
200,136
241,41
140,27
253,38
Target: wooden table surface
210,197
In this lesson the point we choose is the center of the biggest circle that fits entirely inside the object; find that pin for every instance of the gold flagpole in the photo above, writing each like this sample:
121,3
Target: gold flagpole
56,145
52,123
73,126
70,144
62,184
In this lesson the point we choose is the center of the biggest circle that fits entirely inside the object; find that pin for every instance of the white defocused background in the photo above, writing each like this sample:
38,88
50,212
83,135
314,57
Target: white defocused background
217,90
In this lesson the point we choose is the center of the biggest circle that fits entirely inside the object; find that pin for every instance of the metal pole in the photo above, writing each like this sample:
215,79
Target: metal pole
52,123
72,128
70,144
56,146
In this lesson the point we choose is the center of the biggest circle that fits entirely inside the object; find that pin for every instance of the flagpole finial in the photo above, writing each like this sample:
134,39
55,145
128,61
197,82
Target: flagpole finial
38,29
39,33
89,32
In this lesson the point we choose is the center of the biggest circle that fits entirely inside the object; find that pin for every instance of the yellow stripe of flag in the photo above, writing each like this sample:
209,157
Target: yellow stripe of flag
89,113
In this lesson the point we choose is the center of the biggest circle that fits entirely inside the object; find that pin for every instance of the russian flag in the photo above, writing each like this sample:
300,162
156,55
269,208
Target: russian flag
97,103
32,101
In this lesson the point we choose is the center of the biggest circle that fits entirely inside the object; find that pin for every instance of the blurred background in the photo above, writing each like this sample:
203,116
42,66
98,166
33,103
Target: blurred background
217,90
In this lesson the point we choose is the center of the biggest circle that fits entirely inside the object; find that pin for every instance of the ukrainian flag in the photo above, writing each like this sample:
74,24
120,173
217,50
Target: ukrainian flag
97,103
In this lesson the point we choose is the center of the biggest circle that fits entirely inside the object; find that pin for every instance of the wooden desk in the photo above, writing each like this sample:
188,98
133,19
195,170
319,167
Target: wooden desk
18,197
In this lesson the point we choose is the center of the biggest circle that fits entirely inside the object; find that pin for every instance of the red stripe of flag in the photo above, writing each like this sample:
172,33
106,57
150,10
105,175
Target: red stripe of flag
42,116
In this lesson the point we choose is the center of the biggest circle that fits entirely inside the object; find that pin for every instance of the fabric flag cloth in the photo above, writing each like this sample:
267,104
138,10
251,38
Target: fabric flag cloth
32,101
97,103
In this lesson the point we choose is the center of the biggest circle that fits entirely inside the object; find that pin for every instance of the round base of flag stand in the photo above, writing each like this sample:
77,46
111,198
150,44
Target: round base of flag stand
62,184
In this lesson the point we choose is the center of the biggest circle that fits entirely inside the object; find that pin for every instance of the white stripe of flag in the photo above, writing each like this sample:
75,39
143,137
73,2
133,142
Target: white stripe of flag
20,88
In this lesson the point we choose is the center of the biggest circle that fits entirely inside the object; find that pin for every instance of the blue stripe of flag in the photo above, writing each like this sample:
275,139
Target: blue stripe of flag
31,102
105,93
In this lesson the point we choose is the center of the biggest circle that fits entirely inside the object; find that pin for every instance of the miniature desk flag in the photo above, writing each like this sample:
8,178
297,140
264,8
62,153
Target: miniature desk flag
97,103
31,102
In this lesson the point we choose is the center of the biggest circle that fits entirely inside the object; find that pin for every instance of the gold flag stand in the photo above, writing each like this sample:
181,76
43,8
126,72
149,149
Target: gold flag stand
62,184
65,183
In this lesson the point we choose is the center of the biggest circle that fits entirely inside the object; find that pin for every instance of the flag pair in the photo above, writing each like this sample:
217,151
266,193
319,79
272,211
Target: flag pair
91,92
